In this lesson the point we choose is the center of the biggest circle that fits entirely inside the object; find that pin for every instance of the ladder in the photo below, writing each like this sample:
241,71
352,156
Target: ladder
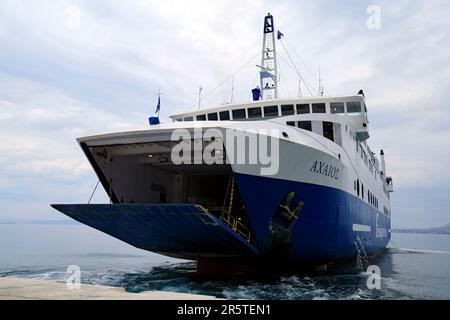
363,260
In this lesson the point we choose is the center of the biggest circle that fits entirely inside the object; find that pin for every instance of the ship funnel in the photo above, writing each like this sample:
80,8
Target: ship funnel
383,164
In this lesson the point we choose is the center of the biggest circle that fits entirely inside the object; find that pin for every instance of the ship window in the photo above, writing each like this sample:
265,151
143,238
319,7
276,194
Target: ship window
302,108
201,117
362,190
238,114
287,109
354,107
328,130
212,116
291,123
188,119
271,111
305,125
224,115
337,107
318,107
357,187
254,112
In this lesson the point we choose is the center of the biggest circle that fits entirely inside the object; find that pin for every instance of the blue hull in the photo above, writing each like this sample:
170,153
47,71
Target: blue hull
323,232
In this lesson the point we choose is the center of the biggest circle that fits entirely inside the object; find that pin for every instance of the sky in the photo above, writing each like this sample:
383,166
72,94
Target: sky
76,68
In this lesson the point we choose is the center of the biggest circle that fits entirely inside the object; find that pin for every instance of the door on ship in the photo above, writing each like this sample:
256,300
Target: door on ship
328,131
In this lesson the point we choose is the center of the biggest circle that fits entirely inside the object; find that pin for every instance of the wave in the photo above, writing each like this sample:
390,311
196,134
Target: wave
421,251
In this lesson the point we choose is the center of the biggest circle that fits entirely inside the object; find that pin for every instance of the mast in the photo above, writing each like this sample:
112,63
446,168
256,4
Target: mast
268,74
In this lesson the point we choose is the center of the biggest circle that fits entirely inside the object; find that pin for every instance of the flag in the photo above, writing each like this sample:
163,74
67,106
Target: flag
279,35
159,105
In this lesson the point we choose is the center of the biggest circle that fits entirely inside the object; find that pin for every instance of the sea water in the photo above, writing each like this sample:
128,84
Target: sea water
416,266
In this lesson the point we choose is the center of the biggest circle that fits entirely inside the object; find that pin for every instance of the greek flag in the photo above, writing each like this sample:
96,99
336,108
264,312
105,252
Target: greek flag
279,35
159,105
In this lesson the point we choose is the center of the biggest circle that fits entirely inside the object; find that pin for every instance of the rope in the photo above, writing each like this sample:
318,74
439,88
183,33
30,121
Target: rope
93,192
229,77
306,66
225,200
284,82
296,69
110,191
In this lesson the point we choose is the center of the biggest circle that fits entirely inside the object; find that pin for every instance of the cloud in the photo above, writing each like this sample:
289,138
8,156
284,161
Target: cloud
59,80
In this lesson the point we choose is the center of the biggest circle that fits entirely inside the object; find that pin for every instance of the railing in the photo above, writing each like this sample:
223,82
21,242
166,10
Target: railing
237,226
234,223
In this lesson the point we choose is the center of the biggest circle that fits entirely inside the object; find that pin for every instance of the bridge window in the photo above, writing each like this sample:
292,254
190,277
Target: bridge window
287,109
337,107
224,115
254,112
318,107
212,116
188,119
305,125
271,111
354,107
201,117
328,131
291,123
302,108
238,114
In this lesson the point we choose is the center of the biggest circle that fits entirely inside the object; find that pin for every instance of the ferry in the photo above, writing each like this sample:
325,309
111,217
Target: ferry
316,195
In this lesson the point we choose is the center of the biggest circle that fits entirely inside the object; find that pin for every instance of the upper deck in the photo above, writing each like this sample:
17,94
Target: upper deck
339,105
350,110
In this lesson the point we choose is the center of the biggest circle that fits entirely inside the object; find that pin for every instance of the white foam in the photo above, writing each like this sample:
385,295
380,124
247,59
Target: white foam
424,251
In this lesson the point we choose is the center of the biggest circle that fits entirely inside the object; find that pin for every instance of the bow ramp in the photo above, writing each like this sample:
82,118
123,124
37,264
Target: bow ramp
185,231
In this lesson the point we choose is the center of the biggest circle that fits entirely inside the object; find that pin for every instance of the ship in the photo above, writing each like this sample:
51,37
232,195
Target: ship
273,181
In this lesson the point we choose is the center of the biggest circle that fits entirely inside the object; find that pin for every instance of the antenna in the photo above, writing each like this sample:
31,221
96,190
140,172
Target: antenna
199,96
268,74
320,84
159,94
299,94
320,81
232,89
